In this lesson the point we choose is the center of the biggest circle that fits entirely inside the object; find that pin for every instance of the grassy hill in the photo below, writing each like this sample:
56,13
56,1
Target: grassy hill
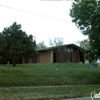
47,75
45,82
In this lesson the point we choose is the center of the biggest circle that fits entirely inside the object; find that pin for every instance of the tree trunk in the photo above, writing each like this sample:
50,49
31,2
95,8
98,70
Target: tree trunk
14,62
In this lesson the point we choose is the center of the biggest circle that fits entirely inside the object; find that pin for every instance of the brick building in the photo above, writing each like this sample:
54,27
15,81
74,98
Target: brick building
69,52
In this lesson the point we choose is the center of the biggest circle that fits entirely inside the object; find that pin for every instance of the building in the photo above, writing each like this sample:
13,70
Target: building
69,52
63,53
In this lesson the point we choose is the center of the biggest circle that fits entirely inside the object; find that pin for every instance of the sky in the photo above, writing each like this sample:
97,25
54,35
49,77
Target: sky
44,19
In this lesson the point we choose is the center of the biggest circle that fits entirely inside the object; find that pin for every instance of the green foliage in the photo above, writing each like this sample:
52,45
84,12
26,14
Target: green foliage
86,50
67,61
16,43
47,75
56,42
86,15
41,45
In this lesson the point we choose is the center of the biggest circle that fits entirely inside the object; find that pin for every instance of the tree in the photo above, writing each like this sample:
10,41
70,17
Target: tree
57,45
86,15
41,45
56,42
16,43
84,44
86,49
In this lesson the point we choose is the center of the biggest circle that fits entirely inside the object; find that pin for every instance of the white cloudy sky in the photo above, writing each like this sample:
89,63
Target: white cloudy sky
43,19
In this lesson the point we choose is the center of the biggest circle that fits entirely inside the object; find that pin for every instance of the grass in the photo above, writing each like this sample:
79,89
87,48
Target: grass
45,93
43,81
47,75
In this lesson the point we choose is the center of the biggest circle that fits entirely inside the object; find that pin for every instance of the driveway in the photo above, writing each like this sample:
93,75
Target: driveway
83,98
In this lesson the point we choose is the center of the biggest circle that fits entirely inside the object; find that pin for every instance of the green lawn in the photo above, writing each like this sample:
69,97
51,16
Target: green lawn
29,80
47,93
46,74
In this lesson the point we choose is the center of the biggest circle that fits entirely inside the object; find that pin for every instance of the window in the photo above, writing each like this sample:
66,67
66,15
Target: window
68,50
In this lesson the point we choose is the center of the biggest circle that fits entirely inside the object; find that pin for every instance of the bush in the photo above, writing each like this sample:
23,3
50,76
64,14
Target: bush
67,61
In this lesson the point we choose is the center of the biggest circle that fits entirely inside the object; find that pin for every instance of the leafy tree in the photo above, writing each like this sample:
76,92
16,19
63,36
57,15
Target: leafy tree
41,45
86,15
56,42
84,44
16,43
86,49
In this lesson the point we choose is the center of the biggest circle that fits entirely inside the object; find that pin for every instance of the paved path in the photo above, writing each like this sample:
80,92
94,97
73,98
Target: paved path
83,98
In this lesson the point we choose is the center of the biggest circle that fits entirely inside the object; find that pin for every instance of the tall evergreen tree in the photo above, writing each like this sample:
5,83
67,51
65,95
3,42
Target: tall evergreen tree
16,43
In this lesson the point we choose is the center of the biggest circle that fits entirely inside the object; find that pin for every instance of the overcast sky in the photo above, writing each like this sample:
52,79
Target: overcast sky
43,19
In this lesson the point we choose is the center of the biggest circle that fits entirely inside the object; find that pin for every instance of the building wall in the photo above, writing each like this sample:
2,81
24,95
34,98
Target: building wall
78,54
70,53
59,54
28,60
44,57
74,55
62,54
51,57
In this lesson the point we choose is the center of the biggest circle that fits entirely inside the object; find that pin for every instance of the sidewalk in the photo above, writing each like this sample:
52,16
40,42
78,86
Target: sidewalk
83,98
